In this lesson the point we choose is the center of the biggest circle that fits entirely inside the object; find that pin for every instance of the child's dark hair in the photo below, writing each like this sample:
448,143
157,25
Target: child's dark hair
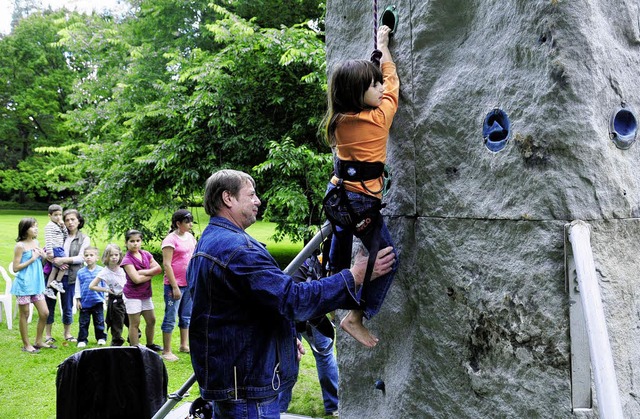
23,226
53,208
348,84
181,215
111,247
133,232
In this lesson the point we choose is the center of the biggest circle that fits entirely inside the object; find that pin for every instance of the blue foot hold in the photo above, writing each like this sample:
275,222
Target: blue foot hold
623,128
496,130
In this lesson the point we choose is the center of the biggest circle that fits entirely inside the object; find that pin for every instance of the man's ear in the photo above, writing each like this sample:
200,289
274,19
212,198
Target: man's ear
226,198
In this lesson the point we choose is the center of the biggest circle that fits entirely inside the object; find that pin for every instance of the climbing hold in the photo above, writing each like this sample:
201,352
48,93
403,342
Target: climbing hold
380,386
496,130
390,18
623,127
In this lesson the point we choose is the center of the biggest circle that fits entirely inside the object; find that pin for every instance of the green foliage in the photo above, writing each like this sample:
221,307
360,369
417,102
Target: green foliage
36,84
298,180
157,100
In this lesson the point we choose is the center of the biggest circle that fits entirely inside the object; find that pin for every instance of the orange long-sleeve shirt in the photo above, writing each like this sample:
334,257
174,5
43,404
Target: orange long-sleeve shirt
363,136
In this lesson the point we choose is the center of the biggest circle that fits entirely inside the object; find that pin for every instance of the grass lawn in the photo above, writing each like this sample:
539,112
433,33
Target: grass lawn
27,386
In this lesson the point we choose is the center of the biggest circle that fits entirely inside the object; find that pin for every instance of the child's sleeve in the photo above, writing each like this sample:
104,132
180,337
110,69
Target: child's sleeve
48,238
78,290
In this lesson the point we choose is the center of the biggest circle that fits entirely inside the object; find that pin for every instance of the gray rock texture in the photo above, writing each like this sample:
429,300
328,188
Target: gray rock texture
476,324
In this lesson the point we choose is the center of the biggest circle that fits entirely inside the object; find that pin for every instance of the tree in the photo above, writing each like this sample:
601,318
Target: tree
199,106
36,86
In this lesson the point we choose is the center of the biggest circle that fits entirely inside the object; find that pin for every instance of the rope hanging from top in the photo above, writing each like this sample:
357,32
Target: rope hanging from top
376,54
375,24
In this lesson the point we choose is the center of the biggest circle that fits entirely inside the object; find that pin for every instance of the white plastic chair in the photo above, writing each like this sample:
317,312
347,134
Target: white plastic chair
6,299
17,310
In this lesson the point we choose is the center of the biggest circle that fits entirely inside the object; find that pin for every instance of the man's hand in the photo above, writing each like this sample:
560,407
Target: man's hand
301,350
383,264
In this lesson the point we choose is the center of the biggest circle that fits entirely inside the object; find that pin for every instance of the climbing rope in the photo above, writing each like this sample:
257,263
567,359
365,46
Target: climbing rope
375,25
376,54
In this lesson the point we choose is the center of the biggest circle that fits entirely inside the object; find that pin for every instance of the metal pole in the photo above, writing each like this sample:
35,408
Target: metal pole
307,251
174,398
606,384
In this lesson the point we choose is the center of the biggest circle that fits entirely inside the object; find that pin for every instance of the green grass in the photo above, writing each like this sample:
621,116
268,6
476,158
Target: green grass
27,386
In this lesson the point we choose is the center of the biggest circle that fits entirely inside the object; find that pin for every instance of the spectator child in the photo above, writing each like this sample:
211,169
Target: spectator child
177,249
55,233
111,279
140,267
29,283
90,303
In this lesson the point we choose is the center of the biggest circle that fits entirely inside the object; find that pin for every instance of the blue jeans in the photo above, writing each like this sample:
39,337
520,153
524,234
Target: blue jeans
247,409
180,308
373,292
86,315
327,368
66,300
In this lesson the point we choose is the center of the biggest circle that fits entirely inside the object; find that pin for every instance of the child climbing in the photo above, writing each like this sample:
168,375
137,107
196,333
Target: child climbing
362,101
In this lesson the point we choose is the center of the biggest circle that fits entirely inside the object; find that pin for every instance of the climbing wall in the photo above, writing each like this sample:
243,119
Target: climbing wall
476,324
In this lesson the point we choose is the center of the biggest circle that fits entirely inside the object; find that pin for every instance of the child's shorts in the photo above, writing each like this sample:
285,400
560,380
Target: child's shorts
135,306
28,299
58,252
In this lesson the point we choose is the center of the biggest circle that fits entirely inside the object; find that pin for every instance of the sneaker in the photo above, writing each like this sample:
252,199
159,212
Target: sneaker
155,347
101,342
48,292
57,285
82,344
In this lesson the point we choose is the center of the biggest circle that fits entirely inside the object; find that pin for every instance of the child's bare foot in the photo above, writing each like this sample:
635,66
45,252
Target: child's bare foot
352,324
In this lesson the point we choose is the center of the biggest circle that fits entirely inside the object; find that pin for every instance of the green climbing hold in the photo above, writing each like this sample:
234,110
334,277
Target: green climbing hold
390,18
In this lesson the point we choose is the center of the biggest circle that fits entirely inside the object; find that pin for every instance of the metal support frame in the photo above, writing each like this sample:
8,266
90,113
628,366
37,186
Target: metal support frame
307,251
587,317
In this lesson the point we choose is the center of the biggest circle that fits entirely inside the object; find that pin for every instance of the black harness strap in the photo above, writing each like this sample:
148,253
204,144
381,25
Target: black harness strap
358,171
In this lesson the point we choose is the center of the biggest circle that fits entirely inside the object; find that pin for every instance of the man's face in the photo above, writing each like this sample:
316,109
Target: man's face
244,206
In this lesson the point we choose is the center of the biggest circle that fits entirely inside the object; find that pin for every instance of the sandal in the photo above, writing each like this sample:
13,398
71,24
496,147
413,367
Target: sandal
71,339
46,345
185,350
49,340
33,351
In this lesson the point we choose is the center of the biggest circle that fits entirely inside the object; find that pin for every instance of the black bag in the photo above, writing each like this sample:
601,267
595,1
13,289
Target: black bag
115,382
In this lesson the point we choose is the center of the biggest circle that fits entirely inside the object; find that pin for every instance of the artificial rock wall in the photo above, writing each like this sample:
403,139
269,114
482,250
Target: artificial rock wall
476,324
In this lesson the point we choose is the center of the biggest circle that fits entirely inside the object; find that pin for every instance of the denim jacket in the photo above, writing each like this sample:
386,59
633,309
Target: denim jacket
242,333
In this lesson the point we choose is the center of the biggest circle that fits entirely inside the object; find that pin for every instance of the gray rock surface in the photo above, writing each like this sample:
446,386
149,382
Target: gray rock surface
477,321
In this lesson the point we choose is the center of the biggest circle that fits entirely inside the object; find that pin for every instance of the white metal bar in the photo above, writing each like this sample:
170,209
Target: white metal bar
606,384
581,399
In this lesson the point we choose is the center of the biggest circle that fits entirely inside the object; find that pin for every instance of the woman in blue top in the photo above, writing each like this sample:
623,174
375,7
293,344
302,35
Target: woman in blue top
28,286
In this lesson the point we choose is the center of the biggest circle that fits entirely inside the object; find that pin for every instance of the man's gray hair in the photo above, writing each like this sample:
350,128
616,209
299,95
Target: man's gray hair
223,180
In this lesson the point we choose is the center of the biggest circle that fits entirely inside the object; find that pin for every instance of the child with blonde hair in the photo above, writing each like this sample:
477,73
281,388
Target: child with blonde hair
90,303
111,279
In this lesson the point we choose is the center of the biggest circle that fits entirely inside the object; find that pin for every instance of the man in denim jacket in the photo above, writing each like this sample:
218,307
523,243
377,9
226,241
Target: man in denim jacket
243,342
